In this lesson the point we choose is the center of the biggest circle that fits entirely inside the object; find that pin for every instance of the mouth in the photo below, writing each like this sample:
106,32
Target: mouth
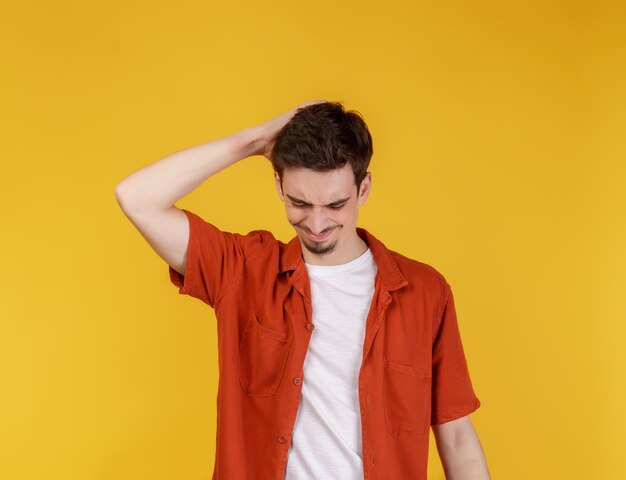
319,238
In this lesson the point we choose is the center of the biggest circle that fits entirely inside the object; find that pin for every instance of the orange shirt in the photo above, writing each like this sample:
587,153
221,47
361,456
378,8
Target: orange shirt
413,372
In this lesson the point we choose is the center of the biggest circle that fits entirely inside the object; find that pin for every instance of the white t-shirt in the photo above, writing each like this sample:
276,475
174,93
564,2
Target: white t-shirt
326,441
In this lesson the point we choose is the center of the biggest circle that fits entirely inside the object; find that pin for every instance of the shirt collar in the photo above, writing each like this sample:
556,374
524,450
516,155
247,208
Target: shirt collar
390,275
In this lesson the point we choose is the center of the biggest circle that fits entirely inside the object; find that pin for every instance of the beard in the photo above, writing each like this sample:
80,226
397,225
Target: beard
319,248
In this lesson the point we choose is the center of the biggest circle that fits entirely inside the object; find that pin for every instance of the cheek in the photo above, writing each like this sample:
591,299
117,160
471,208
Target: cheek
295,216
350,215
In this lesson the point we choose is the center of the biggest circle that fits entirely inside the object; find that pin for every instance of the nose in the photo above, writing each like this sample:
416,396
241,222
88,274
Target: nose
317,222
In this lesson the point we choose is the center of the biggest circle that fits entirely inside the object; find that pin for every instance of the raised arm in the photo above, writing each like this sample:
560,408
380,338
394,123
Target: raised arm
147,196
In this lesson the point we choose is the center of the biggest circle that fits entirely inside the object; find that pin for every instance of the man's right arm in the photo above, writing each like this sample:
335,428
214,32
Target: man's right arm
147,196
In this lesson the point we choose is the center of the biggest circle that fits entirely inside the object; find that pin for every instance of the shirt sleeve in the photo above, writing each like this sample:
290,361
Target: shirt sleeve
453,396
215,260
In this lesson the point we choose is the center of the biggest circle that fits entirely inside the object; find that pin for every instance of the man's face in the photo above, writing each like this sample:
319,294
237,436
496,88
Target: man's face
322,206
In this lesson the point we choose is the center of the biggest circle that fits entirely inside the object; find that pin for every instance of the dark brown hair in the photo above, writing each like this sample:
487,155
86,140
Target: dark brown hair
324,136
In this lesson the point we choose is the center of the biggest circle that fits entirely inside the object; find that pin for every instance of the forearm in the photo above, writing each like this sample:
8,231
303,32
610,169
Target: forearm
162,183
464,460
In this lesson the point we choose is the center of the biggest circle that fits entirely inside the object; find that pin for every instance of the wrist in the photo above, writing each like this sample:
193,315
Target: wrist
249,141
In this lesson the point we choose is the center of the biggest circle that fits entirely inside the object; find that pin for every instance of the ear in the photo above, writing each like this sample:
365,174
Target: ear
366,185
278,186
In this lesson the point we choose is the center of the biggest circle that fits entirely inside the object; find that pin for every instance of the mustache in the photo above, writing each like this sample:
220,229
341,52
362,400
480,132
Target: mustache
309,230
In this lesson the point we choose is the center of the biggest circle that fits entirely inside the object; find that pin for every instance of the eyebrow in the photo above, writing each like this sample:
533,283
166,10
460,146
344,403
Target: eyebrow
332,204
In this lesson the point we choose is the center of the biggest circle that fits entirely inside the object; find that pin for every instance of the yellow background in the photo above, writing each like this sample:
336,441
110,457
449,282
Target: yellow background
499,158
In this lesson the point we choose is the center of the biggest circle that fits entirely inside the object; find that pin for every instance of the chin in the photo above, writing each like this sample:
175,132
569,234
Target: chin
322,248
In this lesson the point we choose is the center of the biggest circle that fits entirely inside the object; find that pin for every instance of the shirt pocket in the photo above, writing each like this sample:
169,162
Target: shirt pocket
262,358
406,398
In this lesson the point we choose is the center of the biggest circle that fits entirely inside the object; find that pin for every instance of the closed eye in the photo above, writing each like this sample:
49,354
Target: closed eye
332,207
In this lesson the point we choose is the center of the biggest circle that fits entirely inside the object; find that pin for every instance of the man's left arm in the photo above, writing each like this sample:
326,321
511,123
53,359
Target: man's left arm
460,450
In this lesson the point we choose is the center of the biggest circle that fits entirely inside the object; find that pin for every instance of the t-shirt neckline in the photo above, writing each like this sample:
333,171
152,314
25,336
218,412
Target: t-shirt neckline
341,268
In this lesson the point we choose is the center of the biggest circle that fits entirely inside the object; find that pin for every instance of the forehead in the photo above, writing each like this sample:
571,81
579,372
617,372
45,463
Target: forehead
319,187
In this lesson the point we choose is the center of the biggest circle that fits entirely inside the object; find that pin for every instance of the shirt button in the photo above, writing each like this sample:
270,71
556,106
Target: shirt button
310,327
373,459
297,380
281,439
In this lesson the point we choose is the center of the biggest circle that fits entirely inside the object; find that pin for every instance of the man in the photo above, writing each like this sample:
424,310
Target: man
336,354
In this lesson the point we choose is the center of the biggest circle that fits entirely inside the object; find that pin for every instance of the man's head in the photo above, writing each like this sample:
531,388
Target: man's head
320,158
